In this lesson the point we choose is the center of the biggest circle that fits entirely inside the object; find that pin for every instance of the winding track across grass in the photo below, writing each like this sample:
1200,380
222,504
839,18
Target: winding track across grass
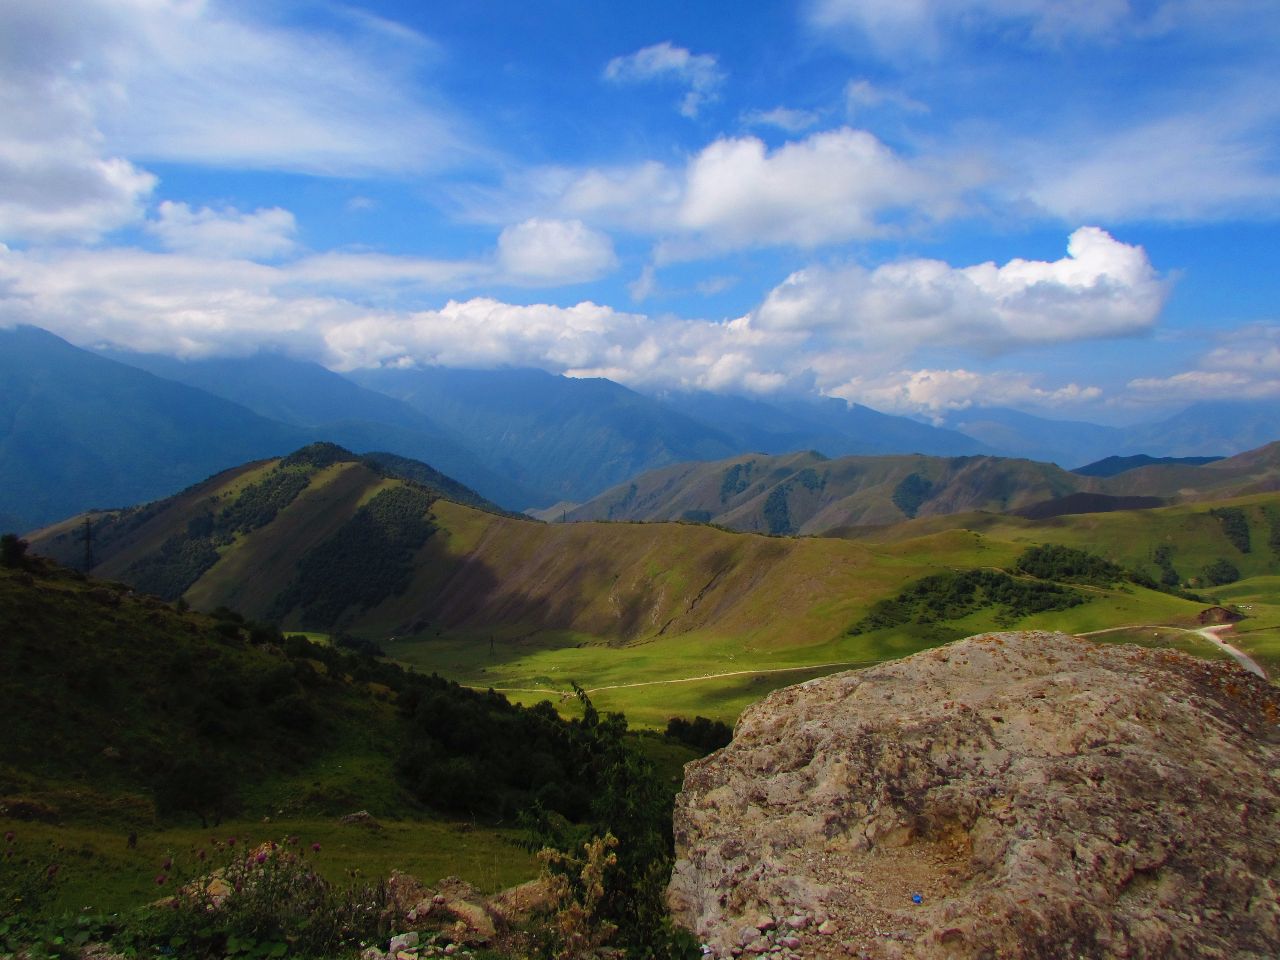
1209,633
706,676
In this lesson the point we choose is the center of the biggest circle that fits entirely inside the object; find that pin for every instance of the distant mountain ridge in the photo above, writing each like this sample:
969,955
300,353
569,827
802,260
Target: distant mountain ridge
1204,429
78,430
1110,466
82,432
812,494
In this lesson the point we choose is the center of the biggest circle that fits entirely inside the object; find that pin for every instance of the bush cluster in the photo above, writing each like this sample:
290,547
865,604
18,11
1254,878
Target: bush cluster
1066,564
700,733
911,492
1235,526
951,596
368,559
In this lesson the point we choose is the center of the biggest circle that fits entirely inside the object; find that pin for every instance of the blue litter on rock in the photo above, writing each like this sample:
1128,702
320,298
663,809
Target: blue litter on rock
916,898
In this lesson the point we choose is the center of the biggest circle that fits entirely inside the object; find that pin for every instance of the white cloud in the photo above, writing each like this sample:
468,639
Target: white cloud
554,251
1102,288
643,197
937,391
346,310
264,233
699,72
831,186
784,118
1245,364
90,88
860,95
643,286
57,179
923,27
1208,163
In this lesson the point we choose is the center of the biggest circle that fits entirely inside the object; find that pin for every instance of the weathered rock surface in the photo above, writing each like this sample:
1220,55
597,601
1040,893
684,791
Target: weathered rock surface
1037,794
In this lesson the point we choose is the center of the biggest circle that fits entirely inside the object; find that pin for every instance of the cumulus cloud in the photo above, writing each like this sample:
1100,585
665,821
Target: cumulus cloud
264,233
57,178
835,185
736,193
341,309
938,391
1102,288
554,251
699,72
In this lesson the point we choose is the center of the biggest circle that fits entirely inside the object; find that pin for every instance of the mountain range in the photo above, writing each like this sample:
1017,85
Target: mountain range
96,428
808,493
327,540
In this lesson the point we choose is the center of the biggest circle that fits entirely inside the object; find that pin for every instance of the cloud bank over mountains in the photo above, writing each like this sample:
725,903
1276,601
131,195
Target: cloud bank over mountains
819,327
864,200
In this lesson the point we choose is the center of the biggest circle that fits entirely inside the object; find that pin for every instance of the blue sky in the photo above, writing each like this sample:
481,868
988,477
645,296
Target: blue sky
920,205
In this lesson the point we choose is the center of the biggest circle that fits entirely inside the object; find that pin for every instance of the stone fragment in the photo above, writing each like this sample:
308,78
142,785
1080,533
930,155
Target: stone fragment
403,941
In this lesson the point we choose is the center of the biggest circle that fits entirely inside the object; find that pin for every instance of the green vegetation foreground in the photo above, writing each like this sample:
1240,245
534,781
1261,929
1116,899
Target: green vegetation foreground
131,721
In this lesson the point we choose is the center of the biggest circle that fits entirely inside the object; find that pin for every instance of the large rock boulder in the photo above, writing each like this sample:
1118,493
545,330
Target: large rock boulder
1008,795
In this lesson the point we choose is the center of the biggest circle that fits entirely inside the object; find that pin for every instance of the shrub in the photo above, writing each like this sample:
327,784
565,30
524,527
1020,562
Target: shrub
701,734
1235,526
1055,562
950,596
1220,572
911,492
13,550
264,901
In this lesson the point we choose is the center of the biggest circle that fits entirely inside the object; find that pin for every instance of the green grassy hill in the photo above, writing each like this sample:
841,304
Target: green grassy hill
653,618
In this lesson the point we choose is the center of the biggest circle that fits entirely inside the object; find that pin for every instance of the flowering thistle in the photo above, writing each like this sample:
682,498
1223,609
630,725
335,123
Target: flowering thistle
168,863
161,879
231,841
261,857
315,847
9,836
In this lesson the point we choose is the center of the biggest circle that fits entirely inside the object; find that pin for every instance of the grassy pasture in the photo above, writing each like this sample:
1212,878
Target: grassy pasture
99,873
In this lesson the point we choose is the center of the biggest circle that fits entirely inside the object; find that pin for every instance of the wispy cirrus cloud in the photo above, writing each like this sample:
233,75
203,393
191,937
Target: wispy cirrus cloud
699,73
784,118
90,90
1244,363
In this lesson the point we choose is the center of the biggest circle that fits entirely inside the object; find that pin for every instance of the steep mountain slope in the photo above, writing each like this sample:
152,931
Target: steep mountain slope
326,541
1018,434
78,431
807,493
829,425
331,407
1110,466
569,438
1208,429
